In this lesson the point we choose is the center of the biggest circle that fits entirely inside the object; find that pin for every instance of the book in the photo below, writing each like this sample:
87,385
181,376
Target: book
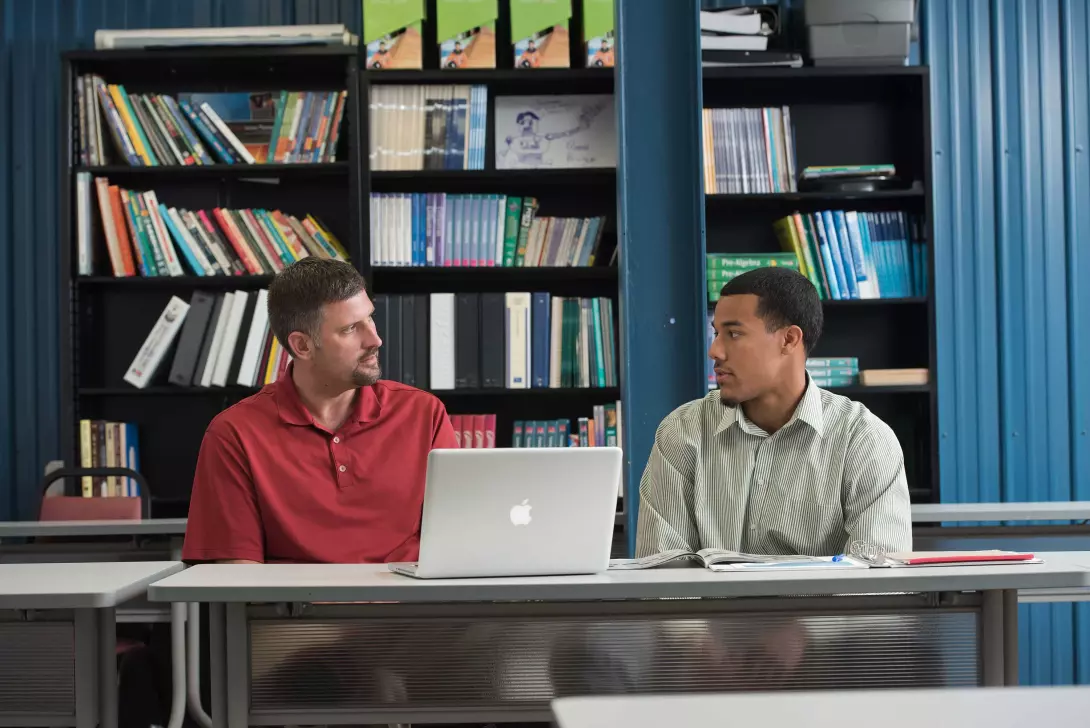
466,32
540,33
158,342
956,558
392,34
710,558
598,33
427,126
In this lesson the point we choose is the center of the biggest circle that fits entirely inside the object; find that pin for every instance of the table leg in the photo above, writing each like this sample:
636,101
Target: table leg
993,650
193,675
107,668
238,667
217,663
86,673
1010,636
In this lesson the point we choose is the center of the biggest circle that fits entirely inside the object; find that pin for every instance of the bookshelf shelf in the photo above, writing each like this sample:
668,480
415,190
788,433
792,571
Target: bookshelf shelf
831,198
169,282
165,391
603,393
867,302
220,171
811,73
524,77
581,177
458,279
858,389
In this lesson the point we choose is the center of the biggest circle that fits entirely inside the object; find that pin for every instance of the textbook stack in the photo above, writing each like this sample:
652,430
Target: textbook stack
830,372
602,429
724,267
477,230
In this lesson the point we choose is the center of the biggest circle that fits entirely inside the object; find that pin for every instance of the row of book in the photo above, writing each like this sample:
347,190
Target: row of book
601,429
427,127
108,444
150,130
846,255
466,33
144,237
476,230
849,255
223,339
516,340
748,151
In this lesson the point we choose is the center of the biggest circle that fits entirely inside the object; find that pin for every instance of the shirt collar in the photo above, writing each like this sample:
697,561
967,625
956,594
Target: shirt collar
809,411
292,410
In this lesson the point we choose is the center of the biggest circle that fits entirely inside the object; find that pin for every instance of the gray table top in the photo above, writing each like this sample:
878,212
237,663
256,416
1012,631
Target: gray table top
149,527
374,582
1057,511
1009,707
78,585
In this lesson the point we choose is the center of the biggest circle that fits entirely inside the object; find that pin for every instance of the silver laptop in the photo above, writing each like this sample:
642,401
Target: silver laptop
517,512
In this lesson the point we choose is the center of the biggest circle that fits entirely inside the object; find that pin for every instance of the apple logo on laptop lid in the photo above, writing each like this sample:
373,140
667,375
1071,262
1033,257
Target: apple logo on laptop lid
520,514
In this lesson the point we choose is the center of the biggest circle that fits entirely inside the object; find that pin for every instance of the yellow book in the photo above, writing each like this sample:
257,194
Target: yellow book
130,124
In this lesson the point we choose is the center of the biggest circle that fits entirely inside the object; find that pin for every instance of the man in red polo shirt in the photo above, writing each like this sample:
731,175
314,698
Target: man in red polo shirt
327,464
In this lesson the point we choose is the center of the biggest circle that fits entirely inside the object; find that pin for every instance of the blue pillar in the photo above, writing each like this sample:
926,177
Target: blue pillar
661,222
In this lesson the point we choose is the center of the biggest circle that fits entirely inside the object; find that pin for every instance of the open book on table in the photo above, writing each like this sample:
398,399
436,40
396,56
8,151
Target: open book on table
724,560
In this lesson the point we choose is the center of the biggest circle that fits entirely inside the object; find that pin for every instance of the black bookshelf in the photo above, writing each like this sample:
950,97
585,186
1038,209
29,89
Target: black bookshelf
107,318
860,115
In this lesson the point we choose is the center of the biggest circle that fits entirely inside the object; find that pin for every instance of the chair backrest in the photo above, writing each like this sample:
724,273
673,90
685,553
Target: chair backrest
75,508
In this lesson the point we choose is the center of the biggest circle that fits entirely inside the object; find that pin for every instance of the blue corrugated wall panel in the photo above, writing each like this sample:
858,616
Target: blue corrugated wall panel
33,35
1011,127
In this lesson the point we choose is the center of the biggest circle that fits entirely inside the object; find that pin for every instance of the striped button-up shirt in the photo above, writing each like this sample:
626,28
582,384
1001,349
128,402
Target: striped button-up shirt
833,475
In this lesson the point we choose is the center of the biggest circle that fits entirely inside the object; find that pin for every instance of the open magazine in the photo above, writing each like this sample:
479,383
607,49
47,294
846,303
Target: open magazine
724,560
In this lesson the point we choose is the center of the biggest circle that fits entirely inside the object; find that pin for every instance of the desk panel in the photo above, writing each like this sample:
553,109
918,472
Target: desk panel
462,662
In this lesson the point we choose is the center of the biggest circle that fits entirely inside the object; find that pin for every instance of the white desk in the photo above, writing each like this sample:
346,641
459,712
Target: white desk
1054,707
153,539
58,639
392,649
39,529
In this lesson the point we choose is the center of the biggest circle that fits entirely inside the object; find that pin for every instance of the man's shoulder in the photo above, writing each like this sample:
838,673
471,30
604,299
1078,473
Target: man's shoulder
852,419
399,395
693,415
257,410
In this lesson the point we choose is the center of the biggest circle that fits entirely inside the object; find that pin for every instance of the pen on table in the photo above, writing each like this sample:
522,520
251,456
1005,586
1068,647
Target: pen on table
838,557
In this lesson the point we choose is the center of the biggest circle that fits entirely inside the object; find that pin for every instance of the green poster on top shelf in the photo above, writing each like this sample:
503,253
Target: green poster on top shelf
392,33
466,31
539,32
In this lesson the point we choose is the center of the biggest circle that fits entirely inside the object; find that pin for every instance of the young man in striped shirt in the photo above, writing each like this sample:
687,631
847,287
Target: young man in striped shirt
770,463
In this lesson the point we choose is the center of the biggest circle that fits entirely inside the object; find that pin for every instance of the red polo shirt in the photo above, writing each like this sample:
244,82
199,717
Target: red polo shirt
274,486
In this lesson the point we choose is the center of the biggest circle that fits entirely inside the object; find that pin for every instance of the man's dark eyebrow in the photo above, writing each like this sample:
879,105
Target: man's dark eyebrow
732,322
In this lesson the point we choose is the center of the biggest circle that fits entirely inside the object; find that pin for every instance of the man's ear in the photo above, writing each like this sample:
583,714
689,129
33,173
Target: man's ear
792,339
301,345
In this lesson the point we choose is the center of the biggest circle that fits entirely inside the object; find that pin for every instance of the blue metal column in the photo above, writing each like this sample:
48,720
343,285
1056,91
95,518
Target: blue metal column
661,222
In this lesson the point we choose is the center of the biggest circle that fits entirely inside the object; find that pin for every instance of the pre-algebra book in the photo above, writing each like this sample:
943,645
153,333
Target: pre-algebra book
540,33
392,34
466,33
598,33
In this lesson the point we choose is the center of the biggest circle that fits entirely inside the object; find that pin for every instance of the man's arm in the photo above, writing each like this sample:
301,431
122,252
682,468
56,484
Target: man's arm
442,430
875,492
224,523
666,495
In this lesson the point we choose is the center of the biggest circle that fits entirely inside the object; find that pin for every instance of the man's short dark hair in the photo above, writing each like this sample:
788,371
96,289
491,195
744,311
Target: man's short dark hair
785,297
297,294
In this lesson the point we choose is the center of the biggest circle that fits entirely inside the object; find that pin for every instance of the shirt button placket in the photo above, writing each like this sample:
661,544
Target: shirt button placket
341,468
